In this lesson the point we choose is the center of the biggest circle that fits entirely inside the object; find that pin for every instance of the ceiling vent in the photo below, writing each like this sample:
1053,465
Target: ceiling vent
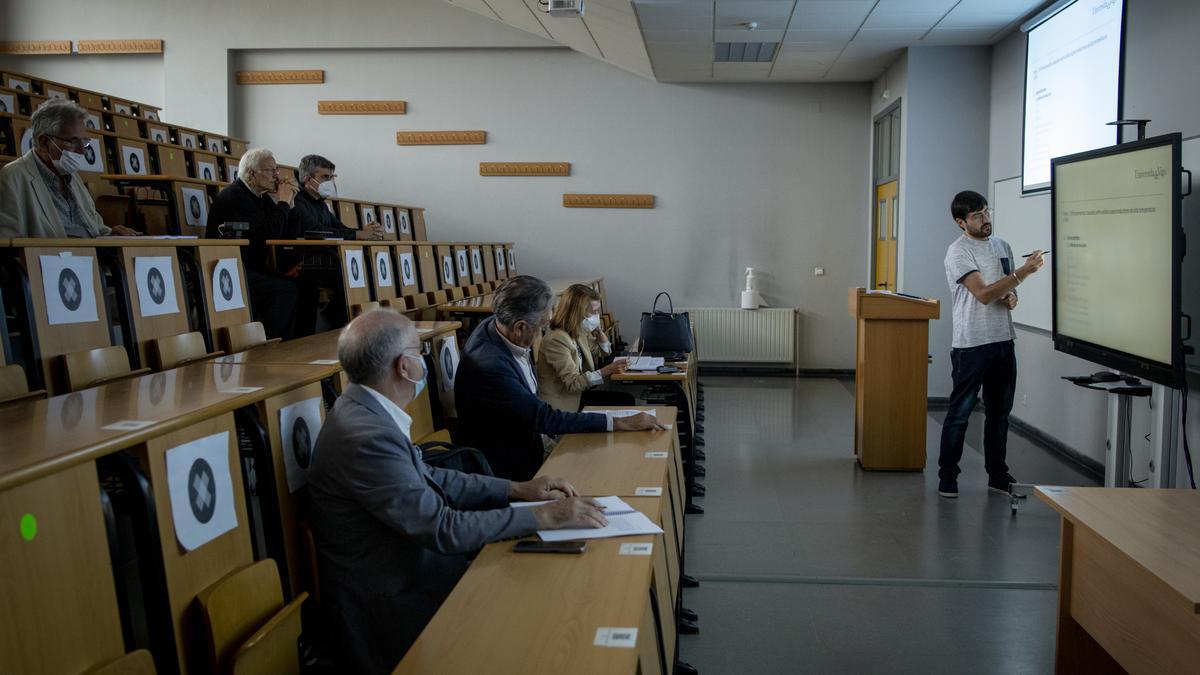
744,52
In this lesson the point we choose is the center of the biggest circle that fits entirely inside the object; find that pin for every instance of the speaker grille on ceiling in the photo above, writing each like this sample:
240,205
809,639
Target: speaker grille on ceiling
744,52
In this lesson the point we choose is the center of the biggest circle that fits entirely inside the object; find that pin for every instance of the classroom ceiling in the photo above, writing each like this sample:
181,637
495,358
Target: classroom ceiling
813,40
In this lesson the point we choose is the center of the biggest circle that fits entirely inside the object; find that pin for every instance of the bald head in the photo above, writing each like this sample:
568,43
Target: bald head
370,344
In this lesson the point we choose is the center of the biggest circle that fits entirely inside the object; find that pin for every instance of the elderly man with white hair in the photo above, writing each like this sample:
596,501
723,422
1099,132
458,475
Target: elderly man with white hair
40,195
286,305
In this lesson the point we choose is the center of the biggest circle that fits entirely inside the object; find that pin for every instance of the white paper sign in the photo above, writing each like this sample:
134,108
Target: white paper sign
476,262
656,455
447,362
355,273
462,264
647,492
512,261
123,109
215,146
127,425
408,274
389,221
8,104
93,122
150,115
93,155
19,85
55,93
299,424
155,285
187,140
447,270
195,206
499,260
206,171
156,394
159,135
625,638
368,215
201,490
227,285
405,225
134,160
636,549
69,288
383,269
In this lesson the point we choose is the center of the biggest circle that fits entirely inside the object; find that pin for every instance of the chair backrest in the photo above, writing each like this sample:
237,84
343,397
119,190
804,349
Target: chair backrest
274,647
12,381
91,367
173,351
362,308
240,337
237,606
138,662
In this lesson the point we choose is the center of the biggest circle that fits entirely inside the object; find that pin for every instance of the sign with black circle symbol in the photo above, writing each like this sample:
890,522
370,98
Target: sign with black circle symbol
407,277
89,154
187,142
354,268
135,161
215,147
201,490
6,105
477,262
499,259
462,264
158,387
68,288
383,263
158,137
447,364
404,223
155,279
299,425
92,123
512,261
19,85
368,215
227,285
207,173
447,271
389,224
195,206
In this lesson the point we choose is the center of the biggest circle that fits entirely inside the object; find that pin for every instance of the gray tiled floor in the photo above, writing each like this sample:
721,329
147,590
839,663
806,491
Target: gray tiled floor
810,564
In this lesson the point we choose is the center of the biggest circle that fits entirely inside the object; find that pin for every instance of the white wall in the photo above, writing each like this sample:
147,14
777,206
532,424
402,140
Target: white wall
138,77
763,176
1159,58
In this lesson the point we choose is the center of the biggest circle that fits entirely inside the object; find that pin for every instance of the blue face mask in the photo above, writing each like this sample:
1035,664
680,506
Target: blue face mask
419,384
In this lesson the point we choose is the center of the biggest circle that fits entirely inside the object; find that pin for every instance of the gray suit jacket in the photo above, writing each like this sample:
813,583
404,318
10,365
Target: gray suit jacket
27,209
391,531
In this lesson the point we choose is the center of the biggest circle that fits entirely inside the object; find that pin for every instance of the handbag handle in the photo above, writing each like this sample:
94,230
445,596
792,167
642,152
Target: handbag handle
670,303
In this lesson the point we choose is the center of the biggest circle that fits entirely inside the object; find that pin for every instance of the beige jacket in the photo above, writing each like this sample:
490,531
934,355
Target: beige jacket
27,208
560,379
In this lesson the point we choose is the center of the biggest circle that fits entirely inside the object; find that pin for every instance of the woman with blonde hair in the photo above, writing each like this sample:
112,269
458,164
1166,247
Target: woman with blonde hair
571,351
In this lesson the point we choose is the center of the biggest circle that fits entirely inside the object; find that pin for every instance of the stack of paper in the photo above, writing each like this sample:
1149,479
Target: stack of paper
645,362
623,521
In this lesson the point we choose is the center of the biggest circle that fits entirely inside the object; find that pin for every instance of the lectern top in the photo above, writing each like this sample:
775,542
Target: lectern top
866,304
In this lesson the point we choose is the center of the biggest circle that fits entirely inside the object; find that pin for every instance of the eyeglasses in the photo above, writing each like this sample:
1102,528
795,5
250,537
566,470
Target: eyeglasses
77,144
425,349
987,210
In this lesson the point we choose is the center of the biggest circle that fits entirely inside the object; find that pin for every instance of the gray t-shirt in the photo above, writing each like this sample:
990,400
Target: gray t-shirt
975,323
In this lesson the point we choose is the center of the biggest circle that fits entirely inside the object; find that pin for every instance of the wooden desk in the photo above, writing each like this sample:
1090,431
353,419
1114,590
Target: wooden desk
1128,592
351,261
615,463
528,613
50,435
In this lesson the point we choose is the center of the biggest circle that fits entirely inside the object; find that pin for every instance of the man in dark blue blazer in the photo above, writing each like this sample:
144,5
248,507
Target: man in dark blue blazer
496,393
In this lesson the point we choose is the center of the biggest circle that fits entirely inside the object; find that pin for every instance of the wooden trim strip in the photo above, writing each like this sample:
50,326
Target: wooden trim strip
524,168
36,47
441,137
594,201
362,107
119,46
280,77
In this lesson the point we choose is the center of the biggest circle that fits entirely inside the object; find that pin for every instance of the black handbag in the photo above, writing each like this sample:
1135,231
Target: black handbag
666,331
460,458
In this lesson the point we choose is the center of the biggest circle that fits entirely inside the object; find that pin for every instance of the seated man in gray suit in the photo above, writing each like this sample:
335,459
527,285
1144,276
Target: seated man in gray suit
391,532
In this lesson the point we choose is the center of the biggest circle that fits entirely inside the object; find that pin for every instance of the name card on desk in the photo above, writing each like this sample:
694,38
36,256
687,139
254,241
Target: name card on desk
636,549
625,638
647,492
656,455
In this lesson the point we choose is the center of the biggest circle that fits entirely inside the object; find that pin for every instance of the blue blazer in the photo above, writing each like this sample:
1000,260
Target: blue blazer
499,415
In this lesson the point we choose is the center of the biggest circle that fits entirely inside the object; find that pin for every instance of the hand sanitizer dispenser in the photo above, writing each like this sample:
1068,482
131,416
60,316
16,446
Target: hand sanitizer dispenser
750,297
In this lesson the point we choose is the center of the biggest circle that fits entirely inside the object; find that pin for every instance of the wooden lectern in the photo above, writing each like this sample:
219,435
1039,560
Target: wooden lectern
891,376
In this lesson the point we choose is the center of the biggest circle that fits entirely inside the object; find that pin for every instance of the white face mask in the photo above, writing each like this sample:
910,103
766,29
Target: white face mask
70,162
419,384
327,190
591,322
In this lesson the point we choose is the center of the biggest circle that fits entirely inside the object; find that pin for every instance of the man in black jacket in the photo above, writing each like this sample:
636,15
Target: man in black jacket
311,212
496,393
287,306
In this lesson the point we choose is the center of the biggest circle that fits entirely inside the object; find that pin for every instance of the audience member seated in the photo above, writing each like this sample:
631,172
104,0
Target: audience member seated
311,213
570,350
285,304
496,390
40,194
391,532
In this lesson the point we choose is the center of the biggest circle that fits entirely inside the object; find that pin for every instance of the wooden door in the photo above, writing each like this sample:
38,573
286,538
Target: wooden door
886,230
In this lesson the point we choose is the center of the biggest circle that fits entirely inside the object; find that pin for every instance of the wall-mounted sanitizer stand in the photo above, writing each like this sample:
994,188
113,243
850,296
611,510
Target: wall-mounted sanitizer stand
1164,437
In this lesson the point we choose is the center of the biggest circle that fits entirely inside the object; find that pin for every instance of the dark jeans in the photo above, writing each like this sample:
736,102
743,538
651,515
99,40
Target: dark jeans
992,367
286,306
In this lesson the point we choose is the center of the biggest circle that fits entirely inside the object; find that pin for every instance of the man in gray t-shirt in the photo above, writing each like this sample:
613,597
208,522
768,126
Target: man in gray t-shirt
983,277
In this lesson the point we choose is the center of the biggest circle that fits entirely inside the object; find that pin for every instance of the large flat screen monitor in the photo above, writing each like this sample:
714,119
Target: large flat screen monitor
1117,255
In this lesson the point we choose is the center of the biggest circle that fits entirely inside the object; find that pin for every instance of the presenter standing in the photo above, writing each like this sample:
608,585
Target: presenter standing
983,282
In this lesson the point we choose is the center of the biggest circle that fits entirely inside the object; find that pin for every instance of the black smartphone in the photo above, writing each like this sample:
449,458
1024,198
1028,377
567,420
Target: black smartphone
535,546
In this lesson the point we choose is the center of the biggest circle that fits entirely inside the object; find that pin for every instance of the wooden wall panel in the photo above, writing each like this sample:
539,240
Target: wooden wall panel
281,77
441,137
597,201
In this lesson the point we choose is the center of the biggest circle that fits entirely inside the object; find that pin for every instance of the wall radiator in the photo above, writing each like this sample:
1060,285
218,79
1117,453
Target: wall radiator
745,335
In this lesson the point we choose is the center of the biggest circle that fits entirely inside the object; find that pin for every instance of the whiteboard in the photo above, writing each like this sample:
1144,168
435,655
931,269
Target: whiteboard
1024,222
